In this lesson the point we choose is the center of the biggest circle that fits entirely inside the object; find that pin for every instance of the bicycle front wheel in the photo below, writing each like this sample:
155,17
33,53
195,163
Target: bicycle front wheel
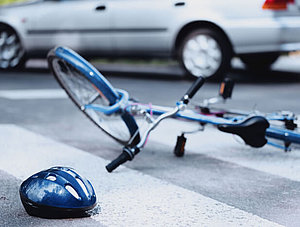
87,87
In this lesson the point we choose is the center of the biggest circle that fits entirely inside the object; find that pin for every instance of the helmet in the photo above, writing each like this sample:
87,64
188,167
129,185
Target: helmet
58,192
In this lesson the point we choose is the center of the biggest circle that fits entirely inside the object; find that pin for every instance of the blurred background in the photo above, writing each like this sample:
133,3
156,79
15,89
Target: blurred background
201,37
154,49
166,43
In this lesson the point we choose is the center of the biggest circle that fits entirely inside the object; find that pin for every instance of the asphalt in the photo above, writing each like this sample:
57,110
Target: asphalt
215,184
127,198
284,63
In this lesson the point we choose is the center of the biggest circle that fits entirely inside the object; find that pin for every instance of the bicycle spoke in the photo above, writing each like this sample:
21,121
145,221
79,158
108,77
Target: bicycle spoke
83,92
93,98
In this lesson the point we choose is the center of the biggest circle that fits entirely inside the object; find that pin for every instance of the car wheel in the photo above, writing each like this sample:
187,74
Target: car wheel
259,61
205,52
12,54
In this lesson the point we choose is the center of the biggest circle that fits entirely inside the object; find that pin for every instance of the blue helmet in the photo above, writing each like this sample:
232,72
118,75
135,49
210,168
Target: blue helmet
58,192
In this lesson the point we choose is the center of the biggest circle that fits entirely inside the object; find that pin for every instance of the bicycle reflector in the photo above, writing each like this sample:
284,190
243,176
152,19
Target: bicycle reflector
277,4
58,192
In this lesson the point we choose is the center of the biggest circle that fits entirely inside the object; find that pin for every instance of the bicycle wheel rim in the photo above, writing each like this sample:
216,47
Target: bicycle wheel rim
120,126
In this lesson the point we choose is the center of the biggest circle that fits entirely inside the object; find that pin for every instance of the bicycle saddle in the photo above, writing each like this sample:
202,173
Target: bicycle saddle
252,130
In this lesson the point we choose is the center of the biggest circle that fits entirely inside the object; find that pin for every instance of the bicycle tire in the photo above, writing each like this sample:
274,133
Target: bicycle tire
81,81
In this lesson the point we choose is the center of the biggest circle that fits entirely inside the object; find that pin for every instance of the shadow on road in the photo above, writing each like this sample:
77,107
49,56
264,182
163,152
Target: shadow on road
20,72
238,75
175,73
263,76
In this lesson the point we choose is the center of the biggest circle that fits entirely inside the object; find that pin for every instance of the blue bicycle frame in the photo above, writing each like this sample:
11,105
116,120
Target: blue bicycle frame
252,129
272,132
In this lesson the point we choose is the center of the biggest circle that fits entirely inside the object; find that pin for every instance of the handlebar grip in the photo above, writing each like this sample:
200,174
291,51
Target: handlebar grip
194,88
122,158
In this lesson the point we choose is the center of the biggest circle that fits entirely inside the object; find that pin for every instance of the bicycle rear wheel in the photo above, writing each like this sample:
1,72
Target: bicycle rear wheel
86,86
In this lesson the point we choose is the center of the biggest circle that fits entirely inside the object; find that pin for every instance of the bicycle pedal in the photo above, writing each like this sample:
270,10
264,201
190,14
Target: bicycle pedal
226,88
179,147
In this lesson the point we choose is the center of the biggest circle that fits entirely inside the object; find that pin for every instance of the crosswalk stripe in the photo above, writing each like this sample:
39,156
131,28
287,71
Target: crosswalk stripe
33,94
229,148
126,197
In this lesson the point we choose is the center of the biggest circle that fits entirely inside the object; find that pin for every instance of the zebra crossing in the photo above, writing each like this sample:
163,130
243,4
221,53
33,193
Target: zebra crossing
28,94
132,198
219,182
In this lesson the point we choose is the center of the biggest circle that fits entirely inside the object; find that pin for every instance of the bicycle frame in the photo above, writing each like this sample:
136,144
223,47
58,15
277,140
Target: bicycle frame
272,132
287,136
181,112
252,128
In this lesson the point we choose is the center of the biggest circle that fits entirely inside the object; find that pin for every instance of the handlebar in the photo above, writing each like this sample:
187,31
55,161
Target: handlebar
193,89
127,155
123,157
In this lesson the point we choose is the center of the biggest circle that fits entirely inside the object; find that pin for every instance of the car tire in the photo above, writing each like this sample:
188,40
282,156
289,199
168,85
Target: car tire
12,53
259,61
205,52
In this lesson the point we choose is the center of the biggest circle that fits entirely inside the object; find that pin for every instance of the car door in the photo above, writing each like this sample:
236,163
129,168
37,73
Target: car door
80,24
141,27
289,20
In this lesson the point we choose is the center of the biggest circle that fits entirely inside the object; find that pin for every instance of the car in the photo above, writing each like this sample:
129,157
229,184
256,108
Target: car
202,35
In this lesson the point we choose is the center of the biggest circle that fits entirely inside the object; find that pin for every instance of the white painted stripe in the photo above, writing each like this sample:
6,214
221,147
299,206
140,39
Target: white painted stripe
33,94
126,197
229,148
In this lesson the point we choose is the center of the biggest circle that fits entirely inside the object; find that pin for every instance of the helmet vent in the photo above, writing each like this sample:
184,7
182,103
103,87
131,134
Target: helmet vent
72,191
52,178
82,186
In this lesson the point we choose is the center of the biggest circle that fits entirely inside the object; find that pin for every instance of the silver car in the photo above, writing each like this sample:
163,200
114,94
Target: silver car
202,34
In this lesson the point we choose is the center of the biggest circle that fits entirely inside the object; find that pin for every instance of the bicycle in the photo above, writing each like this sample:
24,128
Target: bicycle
113,111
